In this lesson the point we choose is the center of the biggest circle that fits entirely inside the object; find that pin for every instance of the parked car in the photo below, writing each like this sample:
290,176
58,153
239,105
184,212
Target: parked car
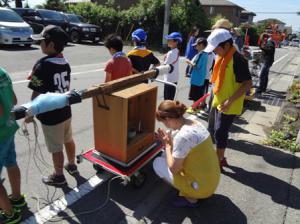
13,29
40,18
295,43
82,31
27,14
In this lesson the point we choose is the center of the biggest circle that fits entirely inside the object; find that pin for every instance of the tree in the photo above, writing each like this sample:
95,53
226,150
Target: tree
57,5
18,3
26,5
4,3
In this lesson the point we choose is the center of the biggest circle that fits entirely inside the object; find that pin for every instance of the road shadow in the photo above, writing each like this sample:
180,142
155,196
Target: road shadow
280,191
89,43
18,48
121,200
271,155
216,209
235,128
254,105
63,216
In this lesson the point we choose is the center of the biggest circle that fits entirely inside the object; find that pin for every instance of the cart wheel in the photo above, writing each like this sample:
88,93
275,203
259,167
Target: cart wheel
138,179
78,159
98,168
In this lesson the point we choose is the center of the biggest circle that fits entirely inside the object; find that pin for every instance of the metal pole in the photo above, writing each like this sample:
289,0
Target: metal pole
166,21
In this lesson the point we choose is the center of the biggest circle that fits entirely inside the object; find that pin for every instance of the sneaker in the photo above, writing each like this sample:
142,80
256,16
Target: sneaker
15,217
18,203
71,169
181,202
54,180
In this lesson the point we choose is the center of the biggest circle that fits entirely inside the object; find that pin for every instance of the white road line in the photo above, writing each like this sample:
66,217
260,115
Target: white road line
52,210
72,74
280,59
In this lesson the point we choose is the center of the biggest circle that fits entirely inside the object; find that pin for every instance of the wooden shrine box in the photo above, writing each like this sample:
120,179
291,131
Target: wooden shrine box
129,110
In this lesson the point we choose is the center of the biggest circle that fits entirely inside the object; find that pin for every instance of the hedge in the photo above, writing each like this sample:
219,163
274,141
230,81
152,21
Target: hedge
148,14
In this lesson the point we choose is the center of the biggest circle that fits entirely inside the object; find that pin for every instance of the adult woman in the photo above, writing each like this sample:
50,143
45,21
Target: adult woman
189,163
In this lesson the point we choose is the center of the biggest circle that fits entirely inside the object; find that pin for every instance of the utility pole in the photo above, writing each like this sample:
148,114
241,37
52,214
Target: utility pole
166,21
18,3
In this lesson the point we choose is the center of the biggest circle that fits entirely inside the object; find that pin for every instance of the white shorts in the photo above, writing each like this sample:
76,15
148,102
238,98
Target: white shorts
161,168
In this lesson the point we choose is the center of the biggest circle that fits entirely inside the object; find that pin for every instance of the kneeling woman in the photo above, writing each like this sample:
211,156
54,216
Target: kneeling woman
189,163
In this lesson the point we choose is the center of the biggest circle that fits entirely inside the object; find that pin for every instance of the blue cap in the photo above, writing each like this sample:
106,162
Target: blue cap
174,36
139,34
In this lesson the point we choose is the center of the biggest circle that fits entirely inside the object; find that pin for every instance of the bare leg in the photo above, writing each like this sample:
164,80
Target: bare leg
58,161
4,201
70,150
220,153
14,176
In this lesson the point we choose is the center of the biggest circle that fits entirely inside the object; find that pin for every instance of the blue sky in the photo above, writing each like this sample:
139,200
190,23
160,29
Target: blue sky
274,6
258,6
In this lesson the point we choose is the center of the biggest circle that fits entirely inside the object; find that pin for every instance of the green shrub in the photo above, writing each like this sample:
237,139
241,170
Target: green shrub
147,14
105,17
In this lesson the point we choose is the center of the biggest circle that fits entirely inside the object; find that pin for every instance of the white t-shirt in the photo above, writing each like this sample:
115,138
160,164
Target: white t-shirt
172,58
210,60
187,138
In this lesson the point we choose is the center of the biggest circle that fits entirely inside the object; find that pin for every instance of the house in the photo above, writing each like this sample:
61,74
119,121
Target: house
280,25
247,16
233,12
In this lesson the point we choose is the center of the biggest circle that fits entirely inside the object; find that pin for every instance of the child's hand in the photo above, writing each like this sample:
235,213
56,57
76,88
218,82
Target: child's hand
225,105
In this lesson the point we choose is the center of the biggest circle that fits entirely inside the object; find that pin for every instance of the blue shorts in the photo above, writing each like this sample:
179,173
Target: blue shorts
8,153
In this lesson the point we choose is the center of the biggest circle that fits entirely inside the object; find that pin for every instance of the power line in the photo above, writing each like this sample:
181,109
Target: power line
297,13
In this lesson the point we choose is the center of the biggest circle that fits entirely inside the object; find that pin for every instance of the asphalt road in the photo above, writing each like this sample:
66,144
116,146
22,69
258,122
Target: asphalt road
126,205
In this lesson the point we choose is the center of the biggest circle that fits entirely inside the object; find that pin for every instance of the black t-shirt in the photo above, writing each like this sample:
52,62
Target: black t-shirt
240,68
52,74
268,52
141,59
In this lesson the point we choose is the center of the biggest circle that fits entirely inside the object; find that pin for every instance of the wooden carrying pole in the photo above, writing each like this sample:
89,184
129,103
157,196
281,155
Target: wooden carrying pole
101,89
109,87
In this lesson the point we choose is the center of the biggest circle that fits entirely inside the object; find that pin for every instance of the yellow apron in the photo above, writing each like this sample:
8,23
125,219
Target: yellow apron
200,175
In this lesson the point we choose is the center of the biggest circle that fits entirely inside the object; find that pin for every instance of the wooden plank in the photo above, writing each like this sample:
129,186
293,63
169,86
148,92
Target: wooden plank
112,86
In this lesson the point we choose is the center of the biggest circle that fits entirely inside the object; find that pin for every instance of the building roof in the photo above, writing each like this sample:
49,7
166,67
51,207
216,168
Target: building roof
248,13
218,3
272,20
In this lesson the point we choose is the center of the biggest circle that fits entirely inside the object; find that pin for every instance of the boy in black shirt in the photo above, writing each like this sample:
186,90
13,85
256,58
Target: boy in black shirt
141,58
52,74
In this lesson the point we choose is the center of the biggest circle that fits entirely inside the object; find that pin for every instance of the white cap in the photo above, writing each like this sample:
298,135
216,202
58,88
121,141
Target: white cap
216,37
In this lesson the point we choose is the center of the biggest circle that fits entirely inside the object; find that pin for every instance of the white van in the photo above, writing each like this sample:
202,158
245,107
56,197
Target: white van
13,29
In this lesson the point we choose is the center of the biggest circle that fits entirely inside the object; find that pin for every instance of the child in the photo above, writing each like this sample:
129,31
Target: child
201,65
12,204
231,79
172,58
140,57
52,74
190,50
119,66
